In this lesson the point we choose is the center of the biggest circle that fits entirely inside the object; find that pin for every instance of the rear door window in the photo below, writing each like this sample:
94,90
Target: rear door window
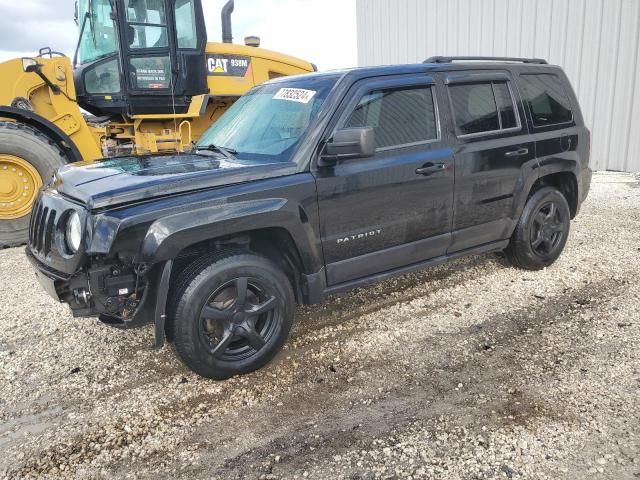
547,99
400,116
483,107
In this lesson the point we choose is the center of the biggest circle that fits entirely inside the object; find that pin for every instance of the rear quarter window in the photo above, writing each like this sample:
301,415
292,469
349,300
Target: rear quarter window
547,99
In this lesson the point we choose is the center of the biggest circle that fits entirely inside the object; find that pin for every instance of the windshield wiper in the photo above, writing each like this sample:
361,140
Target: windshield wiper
229,153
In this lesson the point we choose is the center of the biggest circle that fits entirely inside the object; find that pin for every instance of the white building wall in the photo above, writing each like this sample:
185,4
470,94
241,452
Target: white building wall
597,42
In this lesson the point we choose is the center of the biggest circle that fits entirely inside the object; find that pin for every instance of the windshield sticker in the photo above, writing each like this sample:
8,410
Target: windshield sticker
299,95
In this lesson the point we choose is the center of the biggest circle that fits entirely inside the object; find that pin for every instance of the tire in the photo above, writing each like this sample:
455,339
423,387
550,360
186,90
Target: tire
542,232
36,149
214,331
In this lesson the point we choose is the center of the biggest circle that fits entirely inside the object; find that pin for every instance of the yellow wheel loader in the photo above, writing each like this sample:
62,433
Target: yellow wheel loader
143,80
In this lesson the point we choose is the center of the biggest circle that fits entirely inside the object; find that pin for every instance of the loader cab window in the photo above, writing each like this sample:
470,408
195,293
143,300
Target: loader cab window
158,53
98,35
103,78
186,24
147,24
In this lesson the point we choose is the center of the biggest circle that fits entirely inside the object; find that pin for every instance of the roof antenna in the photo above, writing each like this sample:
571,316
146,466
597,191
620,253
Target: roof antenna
227,10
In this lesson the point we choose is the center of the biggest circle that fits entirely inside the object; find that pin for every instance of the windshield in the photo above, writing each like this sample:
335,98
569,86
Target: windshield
267,124
98,38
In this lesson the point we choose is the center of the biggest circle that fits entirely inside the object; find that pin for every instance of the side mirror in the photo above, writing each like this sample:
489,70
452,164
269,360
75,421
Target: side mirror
350,143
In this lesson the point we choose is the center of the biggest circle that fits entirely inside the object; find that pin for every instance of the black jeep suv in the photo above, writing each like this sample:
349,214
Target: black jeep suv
313,185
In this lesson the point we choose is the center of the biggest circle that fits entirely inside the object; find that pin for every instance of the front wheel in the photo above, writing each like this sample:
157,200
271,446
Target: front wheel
542,232
232,314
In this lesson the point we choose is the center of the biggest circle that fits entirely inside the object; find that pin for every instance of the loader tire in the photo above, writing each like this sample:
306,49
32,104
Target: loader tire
28,159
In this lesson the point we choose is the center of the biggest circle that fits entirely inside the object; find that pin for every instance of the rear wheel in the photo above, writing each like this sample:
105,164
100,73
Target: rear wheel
27,157
542,231
232,314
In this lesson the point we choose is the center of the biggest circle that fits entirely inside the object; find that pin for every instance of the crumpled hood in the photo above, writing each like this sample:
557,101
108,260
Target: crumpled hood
122,180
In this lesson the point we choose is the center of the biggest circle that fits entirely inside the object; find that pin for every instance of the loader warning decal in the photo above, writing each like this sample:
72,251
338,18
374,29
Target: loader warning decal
299,95
152,78
150,72
228,65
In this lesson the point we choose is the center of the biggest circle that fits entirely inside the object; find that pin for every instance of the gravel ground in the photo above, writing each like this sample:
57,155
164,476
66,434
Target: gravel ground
468,370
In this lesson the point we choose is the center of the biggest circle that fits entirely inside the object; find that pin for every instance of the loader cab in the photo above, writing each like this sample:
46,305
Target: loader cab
140,57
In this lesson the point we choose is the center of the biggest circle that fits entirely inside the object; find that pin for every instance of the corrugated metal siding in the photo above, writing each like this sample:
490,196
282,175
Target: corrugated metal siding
596,41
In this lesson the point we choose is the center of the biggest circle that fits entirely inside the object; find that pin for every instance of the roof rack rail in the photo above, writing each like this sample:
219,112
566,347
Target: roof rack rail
489,59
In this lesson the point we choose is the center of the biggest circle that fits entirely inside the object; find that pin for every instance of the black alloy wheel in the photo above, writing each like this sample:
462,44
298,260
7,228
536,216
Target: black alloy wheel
230,313
239,319
548,229
542,231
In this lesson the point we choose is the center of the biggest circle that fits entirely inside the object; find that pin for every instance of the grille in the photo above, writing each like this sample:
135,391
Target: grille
41,228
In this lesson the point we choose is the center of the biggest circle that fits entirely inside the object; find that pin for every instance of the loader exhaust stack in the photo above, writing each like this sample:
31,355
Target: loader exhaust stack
227,10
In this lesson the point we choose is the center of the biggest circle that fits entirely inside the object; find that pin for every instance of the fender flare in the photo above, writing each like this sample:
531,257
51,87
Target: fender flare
558,165
57,136
544,169
571,167
171,234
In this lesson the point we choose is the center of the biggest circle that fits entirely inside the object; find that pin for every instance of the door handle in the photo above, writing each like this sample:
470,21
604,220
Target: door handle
431,168
517,153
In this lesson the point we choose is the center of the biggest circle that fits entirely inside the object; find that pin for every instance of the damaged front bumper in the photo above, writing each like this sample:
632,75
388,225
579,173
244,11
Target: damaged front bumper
122,297
62,287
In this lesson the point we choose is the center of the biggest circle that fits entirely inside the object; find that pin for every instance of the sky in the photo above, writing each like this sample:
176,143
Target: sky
319,31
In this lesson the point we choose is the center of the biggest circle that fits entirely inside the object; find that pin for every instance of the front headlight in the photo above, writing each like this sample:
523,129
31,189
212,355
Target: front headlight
73,232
